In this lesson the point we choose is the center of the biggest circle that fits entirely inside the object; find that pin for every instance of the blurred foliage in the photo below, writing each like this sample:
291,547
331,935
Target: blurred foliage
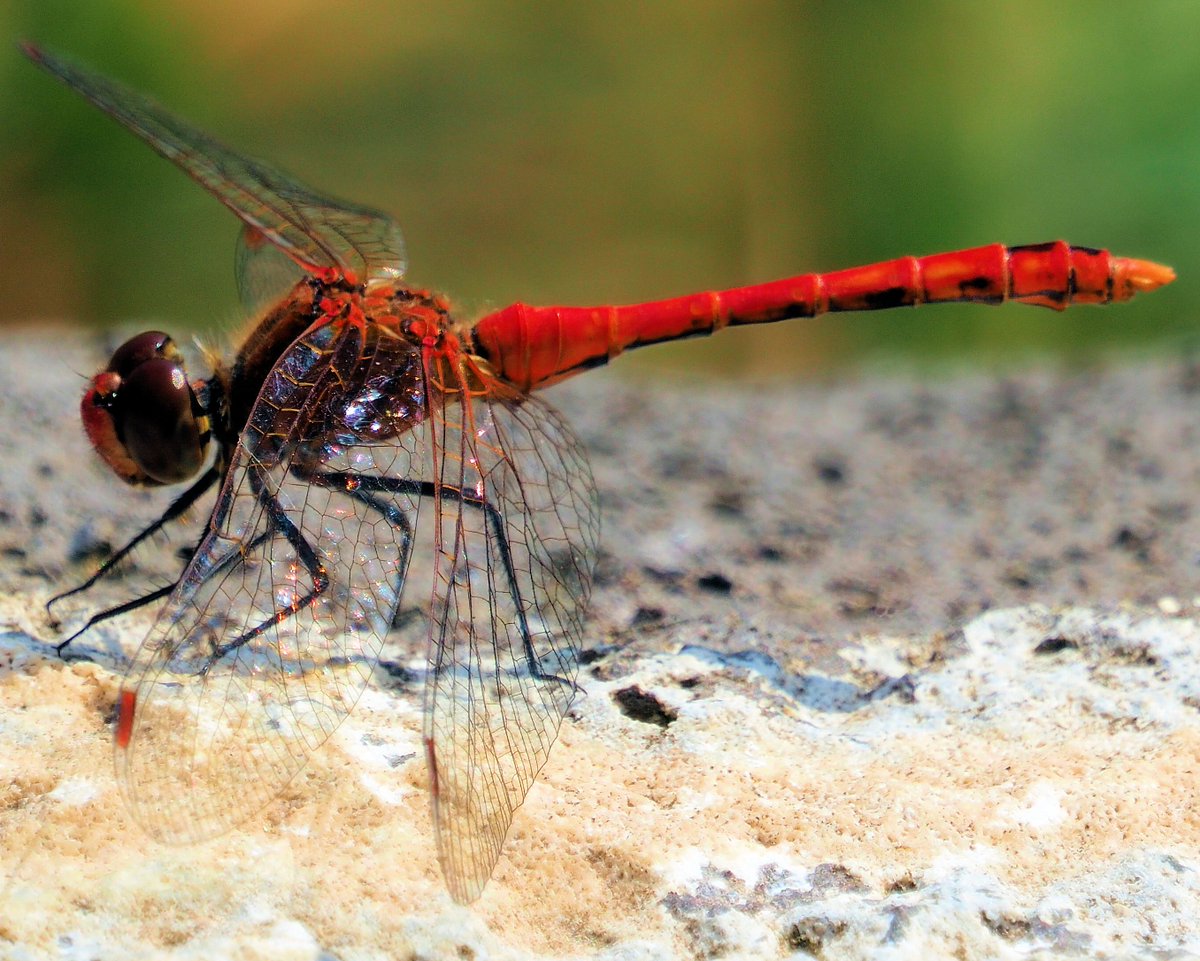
622,151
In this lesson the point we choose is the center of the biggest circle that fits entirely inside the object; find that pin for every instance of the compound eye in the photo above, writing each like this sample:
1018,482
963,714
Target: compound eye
157,421
137,350
141,415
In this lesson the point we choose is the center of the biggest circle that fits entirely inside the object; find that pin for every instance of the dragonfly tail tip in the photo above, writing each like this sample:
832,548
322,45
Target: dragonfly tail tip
1138,276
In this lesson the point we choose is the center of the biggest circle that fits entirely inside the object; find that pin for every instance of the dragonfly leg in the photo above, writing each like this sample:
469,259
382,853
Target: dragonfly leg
361,488
115,611
396,485
177,508
278,522
349,485
155,595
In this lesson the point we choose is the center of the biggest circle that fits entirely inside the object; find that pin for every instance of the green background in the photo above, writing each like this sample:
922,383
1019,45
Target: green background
613,152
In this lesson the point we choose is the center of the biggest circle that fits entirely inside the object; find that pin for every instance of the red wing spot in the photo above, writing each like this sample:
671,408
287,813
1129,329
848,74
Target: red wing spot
431,760
125,712
253,238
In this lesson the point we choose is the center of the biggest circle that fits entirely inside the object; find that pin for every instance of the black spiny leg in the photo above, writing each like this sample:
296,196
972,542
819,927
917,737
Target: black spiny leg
361,487
115,611
155,595
395,485
280,523
349,484
175,510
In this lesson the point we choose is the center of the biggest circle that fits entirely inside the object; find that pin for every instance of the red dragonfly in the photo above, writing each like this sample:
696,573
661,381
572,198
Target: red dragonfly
366,440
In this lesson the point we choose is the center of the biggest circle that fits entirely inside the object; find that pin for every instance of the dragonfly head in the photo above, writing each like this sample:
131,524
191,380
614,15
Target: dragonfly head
142,415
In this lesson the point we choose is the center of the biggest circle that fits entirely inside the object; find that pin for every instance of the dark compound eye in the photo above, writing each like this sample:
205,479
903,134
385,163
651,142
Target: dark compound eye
141,414
137,350
157,422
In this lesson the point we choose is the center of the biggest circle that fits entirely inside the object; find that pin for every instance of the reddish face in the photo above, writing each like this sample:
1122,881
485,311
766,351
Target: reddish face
142,416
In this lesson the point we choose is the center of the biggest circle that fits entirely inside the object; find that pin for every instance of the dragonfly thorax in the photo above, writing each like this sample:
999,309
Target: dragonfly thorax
142,416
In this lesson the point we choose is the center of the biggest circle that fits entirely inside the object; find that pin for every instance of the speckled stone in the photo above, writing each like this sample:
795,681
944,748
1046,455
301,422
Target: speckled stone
879,668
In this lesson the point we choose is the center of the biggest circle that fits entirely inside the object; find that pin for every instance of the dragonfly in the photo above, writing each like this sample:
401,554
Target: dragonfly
366,444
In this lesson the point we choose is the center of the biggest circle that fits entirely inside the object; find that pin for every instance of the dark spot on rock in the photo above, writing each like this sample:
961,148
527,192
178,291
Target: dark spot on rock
1171,512
1043,526
1118,448
1150,470
668,578
768,552
831,471
91,551
1136,654
906,882
398,672
607,569
715,583
903,688
1026,574
1135,542
642,706
1005,925
917,414
676,465
690,682
831,877
110,714
856,598
1052,645
45,470
38,517
814,935
647,615
1018,575
406,616
728,503
591,655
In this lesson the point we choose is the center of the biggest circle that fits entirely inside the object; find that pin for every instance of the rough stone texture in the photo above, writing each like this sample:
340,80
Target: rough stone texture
880,668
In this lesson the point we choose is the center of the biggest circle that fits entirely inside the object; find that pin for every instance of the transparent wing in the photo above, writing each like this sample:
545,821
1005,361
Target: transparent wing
324,236
263,272
513,565
272,633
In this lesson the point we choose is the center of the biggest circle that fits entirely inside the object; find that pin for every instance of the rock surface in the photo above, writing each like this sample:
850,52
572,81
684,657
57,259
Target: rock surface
880,668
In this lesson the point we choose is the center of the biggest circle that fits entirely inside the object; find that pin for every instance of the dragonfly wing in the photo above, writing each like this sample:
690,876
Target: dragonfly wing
273,631
513,569
263,272
325,236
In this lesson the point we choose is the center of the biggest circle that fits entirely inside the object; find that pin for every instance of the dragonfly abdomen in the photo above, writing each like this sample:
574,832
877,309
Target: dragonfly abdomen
536,346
